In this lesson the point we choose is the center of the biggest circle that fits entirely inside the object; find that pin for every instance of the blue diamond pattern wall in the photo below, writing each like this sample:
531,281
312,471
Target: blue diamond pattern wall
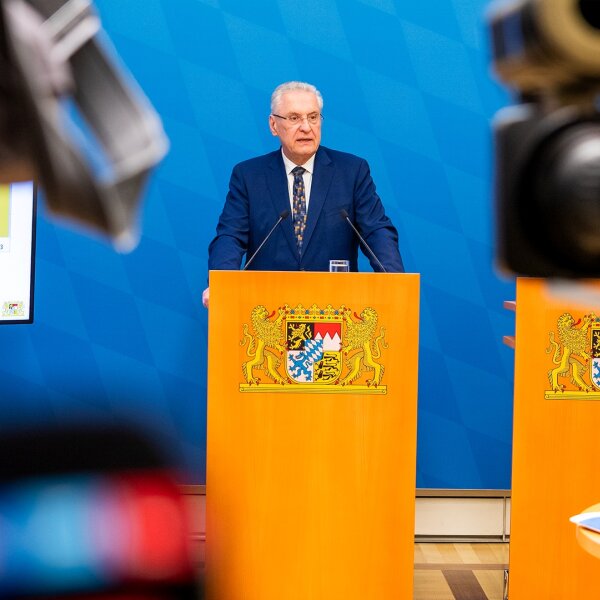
406,85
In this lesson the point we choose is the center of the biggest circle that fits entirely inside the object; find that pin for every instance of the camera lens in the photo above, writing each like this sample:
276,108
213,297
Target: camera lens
590,11
565,189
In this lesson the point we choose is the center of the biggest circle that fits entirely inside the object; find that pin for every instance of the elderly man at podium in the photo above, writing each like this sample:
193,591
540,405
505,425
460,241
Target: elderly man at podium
329,196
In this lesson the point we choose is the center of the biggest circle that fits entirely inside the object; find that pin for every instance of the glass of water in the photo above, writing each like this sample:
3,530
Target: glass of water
339,266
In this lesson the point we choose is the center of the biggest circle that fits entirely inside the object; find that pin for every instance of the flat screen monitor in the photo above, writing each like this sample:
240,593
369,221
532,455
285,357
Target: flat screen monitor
17,251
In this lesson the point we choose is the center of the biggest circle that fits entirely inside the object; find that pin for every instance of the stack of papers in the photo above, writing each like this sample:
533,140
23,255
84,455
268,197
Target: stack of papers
589,520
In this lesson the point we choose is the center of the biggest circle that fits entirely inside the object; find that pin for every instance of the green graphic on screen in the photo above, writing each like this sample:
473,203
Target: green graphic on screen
4,209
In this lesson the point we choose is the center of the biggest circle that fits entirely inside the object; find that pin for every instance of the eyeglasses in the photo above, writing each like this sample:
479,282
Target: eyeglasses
294,119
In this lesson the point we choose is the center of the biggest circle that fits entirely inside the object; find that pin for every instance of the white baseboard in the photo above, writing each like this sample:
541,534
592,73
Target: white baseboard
464,516
439,514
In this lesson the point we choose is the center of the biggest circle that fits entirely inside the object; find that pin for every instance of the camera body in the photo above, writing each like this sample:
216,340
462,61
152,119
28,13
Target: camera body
73,118
547,190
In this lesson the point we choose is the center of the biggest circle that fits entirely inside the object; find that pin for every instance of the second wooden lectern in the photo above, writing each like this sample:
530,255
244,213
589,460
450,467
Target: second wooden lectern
555,442
311,453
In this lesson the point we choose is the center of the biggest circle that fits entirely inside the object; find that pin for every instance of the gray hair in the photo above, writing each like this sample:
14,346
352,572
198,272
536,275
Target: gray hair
291,86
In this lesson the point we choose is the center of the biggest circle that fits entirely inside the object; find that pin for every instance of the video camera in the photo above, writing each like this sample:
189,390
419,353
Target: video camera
548,144
72,118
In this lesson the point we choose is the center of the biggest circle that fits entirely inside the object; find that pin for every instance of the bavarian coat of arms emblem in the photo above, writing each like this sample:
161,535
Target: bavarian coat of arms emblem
319,350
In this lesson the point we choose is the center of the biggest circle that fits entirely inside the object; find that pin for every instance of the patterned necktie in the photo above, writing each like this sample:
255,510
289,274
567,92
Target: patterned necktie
299,205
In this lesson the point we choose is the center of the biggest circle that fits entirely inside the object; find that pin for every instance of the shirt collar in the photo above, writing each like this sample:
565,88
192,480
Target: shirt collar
309,165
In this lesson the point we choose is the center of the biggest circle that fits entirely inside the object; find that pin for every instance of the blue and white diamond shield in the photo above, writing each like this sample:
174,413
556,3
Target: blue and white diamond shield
300,363
595,374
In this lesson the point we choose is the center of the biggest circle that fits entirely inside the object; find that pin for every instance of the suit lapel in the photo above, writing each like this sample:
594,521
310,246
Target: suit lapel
280,196
321,181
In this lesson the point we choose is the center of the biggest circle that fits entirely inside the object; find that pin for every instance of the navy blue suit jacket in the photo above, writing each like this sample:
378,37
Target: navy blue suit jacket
258,194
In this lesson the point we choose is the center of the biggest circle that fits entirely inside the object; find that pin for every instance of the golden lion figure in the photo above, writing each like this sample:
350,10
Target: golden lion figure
358,338
574,344
260,347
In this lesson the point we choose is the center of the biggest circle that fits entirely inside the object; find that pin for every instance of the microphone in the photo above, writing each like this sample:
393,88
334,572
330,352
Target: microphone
344,214
282,216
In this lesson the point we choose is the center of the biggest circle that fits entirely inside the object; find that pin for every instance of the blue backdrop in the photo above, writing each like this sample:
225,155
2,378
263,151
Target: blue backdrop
407,85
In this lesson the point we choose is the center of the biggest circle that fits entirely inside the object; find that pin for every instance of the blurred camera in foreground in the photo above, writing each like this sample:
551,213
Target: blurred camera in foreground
92,511
72,118
548,144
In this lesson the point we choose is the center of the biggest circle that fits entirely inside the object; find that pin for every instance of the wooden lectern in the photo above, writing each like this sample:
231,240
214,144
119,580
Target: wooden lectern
556,444
312,390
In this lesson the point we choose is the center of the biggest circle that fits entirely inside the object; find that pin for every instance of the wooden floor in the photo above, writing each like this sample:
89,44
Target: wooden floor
460,571
448,571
